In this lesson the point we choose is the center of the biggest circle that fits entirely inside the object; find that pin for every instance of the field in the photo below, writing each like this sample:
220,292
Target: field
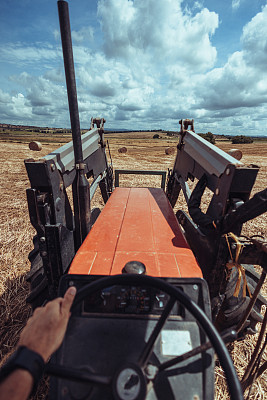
16,232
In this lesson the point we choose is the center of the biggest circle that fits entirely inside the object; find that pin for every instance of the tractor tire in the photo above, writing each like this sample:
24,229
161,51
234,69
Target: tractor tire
233,308
37,279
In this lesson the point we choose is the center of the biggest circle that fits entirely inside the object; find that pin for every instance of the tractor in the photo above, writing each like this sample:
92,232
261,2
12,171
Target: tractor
158,292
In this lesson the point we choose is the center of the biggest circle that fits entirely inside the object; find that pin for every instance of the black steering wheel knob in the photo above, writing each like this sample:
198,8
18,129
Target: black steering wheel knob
129,383
134,267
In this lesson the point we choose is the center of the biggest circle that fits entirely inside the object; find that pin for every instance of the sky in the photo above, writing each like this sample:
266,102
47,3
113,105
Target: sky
140,64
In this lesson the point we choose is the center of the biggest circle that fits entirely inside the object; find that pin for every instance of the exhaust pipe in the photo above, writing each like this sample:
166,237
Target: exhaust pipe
80,185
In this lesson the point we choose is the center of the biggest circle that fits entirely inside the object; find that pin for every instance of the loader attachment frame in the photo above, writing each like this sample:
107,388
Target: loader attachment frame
230,182
50,208
119,172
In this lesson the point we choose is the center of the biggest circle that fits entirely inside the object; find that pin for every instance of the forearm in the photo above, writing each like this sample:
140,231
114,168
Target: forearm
40,338
17,386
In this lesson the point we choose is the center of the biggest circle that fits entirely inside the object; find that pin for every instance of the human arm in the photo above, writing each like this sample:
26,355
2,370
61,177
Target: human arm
43,334
46,329
17,386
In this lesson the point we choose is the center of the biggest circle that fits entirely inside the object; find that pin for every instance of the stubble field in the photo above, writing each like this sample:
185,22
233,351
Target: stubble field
16,232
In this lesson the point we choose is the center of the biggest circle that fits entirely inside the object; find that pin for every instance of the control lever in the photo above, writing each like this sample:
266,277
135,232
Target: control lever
228,336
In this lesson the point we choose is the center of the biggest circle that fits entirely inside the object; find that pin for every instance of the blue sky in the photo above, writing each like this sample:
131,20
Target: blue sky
141,64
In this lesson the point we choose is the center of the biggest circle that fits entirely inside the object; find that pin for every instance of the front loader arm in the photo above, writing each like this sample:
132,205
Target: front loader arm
231,183
50,207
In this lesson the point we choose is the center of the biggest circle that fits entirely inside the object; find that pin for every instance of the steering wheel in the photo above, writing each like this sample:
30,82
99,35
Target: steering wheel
135,388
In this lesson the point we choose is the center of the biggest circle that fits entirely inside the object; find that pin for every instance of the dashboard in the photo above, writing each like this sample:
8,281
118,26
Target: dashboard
124,300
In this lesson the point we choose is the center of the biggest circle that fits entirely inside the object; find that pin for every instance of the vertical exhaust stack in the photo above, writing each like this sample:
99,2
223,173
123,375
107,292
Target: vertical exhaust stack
80,186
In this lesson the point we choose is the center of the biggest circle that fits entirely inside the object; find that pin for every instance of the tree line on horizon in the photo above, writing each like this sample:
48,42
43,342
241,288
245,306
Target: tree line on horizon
209,136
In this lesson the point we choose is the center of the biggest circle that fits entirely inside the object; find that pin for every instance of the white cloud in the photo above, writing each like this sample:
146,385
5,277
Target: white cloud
135,100
150,50
241,83
25,54
40,91
56,34
14,107
235,4
100,82
159,32
85,33
254,39
4,97
55,75
237,122
155,66
82,55
43,102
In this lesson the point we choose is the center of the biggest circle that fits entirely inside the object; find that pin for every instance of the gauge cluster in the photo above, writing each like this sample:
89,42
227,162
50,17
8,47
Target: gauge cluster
132,300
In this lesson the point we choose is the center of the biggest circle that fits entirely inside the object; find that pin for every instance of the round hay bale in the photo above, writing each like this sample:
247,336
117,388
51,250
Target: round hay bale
237,154
35,146
122,150
169,151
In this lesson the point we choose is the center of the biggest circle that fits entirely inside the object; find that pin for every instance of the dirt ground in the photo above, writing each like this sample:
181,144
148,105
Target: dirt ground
16,232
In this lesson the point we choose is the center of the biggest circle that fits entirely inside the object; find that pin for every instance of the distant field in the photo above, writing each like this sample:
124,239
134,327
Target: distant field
24,136
28,136
143,152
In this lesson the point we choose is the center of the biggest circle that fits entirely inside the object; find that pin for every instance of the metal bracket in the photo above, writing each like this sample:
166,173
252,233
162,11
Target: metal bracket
100,126
185,123
140,172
